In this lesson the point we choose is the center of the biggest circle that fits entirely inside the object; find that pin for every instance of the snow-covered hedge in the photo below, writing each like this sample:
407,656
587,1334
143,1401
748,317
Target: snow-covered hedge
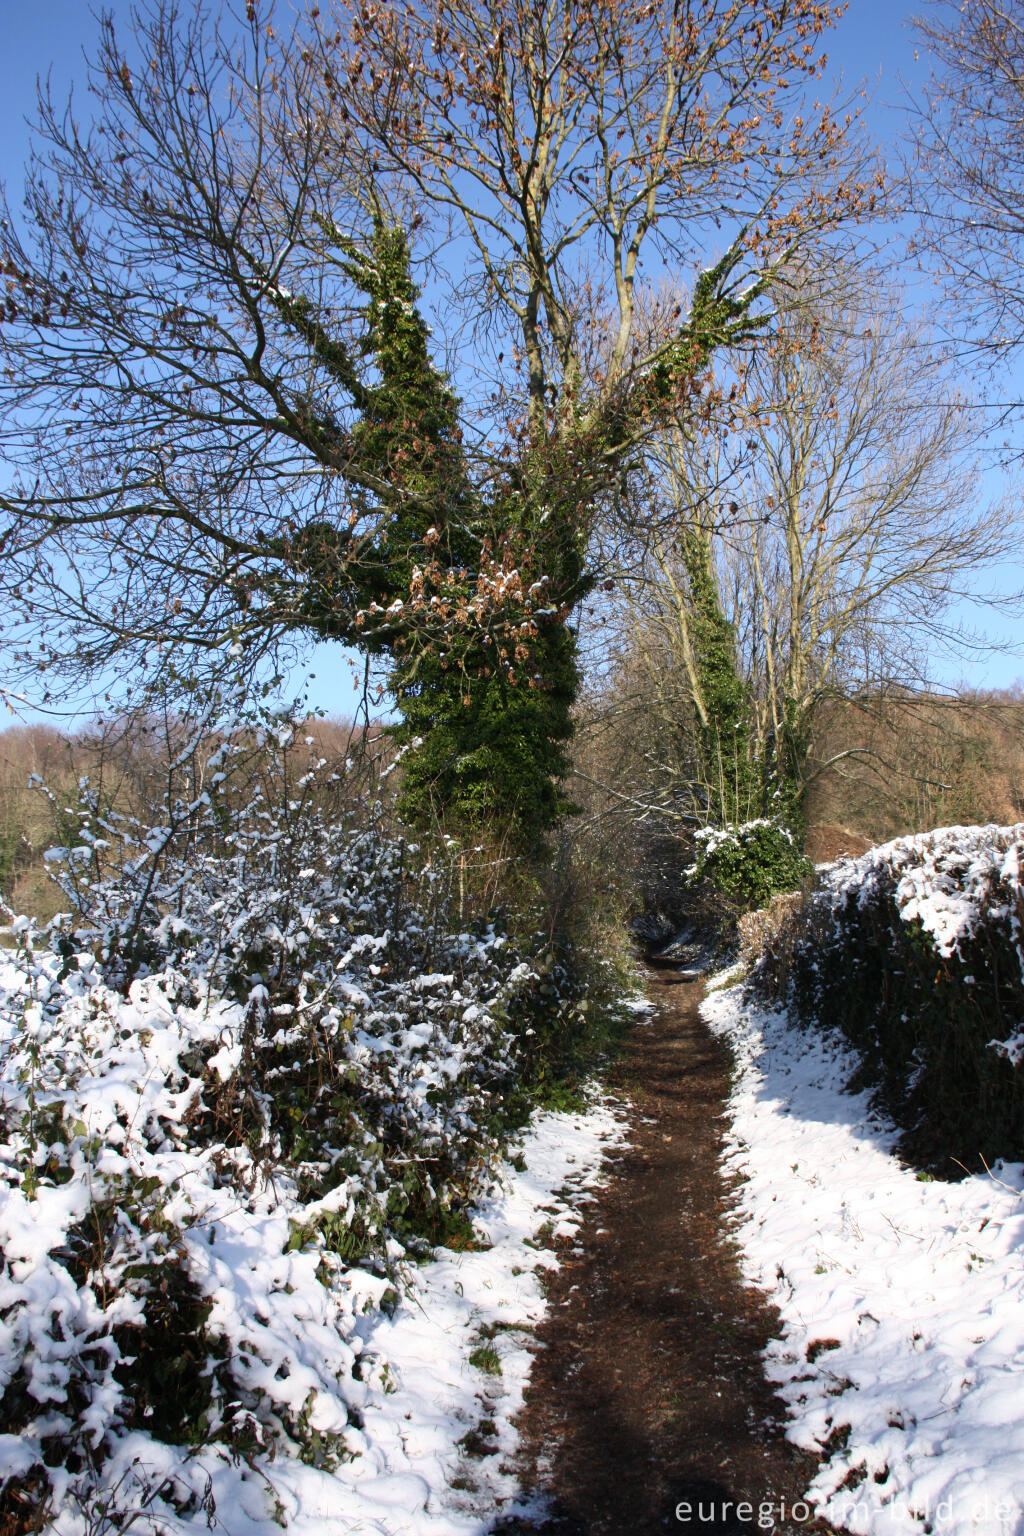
900,1300
186,1181
916,951
253,1071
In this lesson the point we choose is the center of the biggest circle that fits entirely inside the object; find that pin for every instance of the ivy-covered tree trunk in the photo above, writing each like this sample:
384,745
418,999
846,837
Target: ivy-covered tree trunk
728,764
492,709
486,701
786,770
489,755
743,773
467,596
470,583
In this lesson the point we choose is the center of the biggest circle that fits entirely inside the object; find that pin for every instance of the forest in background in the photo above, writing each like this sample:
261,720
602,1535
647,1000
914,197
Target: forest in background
428,333
888,767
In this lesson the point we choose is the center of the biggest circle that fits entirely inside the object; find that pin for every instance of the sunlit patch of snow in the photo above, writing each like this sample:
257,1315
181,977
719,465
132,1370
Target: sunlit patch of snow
423,1395
947,880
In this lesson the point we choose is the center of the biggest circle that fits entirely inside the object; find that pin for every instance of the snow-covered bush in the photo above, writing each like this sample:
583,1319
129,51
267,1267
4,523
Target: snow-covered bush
252,1070
749,863
185,1183
916,951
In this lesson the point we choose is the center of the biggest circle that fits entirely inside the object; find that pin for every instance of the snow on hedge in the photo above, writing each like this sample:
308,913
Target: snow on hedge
180,1334
901,1356
253,1082
949,881
915,951
750,862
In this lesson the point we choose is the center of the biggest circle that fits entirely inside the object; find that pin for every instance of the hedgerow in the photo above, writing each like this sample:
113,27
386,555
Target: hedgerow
253,1072
915,951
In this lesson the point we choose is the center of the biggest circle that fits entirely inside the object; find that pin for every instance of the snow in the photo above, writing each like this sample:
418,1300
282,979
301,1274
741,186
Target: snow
459,1299
248,1079
901,1355
946,880
357,1382
420,1395
710,839
639,1005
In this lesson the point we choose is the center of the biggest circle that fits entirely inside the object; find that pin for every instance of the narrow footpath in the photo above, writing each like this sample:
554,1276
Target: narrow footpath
647,1393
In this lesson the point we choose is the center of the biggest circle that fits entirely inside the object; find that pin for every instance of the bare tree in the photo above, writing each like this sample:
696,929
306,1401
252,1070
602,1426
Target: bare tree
839,527
966,164
924,759
556,147
184,339
181,355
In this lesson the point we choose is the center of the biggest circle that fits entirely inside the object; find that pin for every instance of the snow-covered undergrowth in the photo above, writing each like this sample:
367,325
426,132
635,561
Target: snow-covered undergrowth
901,1358
249,1088
916,951
180,1329
951,882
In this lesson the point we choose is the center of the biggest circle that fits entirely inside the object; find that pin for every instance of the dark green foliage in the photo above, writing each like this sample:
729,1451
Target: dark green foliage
486,699
169,1363
406,442
716,319
740,778
570,1022
466,592
923,1023
408,435
729,772
486,1358
750,863
494,748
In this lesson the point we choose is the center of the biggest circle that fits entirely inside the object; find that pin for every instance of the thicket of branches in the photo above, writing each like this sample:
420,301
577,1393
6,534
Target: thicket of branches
224,423
424,328
399,327
813,544
964,163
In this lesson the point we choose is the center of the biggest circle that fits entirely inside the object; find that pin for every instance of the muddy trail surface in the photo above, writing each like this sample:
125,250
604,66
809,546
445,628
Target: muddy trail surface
647,1394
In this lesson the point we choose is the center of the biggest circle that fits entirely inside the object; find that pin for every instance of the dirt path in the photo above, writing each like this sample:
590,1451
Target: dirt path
647,1391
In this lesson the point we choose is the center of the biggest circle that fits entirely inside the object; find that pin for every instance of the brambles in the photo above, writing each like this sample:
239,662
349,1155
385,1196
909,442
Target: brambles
255,1071
228,431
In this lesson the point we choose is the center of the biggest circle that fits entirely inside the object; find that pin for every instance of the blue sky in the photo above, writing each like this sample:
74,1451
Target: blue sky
873,44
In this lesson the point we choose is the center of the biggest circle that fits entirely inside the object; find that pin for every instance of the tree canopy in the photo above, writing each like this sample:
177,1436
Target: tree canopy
227,425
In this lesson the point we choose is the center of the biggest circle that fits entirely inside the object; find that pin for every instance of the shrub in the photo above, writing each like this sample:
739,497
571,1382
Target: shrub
916,952
764,927
254,1069
750,863
188,1177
